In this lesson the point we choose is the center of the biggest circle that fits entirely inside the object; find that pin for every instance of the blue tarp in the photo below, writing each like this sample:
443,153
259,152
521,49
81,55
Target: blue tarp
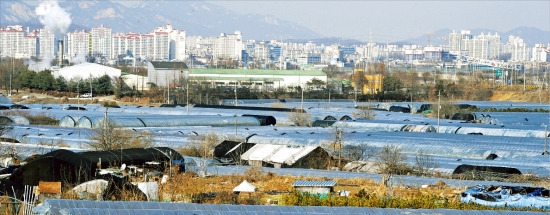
507,196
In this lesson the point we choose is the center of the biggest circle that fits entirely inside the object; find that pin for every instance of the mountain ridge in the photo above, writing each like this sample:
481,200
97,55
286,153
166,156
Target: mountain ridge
204,19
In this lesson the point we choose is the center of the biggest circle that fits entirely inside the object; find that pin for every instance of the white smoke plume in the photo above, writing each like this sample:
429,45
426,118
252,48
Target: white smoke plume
79,58
53,17
40,65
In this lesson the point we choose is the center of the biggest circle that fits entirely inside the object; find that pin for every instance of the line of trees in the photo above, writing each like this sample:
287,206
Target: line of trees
15,75
398,85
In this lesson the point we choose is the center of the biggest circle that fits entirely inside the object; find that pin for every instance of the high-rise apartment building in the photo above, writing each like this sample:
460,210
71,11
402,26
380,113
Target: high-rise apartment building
12,41
101,42
228,46
46,40
77,44
484,46
517,49
16,42
540,53
168,43
481,46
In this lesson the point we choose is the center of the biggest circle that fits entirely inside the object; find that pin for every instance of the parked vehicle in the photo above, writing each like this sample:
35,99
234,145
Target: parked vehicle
86,95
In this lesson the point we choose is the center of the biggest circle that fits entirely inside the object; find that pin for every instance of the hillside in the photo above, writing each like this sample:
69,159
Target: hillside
520,96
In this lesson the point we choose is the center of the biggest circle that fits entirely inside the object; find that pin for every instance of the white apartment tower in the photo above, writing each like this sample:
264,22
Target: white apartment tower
77,44
539,53
133,45
518,50
481,46
484,46
46,40
147,46
169,44
101,41
12,41
30,46
228,46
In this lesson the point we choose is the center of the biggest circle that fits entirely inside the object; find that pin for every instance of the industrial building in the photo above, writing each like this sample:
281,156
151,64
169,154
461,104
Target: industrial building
85,71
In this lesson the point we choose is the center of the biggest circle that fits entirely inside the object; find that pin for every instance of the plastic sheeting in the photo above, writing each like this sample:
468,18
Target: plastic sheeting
65,206
333,117
150,189
369,125
391,127
260,151
69,121
8,120
169,121
289,155
5,100
94,188
492,131
506,196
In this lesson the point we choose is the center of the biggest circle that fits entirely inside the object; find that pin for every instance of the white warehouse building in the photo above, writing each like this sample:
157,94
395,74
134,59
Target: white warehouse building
85,71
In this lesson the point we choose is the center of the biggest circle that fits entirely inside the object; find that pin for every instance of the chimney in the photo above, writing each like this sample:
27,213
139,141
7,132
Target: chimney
60,53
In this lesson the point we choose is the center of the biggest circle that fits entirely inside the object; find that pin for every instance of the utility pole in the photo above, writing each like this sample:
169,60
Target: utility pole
355,94
438,108
12,70
236,93
91,91
235,126
302,103
545,140
187,96
411,108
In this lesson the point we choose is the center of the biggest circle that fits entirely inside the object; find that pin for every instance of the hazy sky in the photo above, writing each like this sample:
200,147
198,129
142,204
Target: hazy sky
395,20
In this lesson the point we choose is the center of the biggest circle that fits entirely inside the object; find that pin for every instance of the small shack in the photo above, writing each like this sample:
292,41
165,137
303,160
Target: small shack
314,187
74,168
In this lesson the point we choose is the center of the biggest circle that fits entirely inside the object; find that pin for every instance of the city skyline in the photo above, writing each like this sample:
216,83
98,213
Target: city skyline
383,21
399,20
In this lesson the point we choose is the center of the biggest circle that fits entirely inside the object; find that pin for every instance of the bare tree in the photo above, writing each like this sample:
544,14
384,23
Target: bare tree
391,161
363,113
110,137
202,146
330,71
424,164
360,152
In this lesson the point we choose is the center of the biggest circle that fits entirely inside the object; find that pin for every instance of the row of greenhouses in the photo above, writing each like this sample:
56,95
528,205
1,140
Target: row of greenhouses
158,121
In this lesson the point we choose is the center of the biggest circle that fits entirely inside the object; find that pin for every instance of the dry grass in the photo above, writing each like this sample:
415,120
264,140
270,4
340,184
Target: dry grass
271,187
277,105
300,119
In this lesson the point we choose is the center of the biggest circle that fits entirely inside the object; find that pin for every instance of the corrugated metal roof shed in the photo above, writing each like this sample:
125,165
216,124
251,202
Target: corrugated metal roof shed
301,183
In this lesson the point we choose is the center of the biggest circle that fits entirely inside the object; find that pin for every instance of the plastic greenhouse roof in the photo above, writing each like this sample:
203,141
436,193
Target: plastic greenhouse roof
518,144
63,206
260,151
289,155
